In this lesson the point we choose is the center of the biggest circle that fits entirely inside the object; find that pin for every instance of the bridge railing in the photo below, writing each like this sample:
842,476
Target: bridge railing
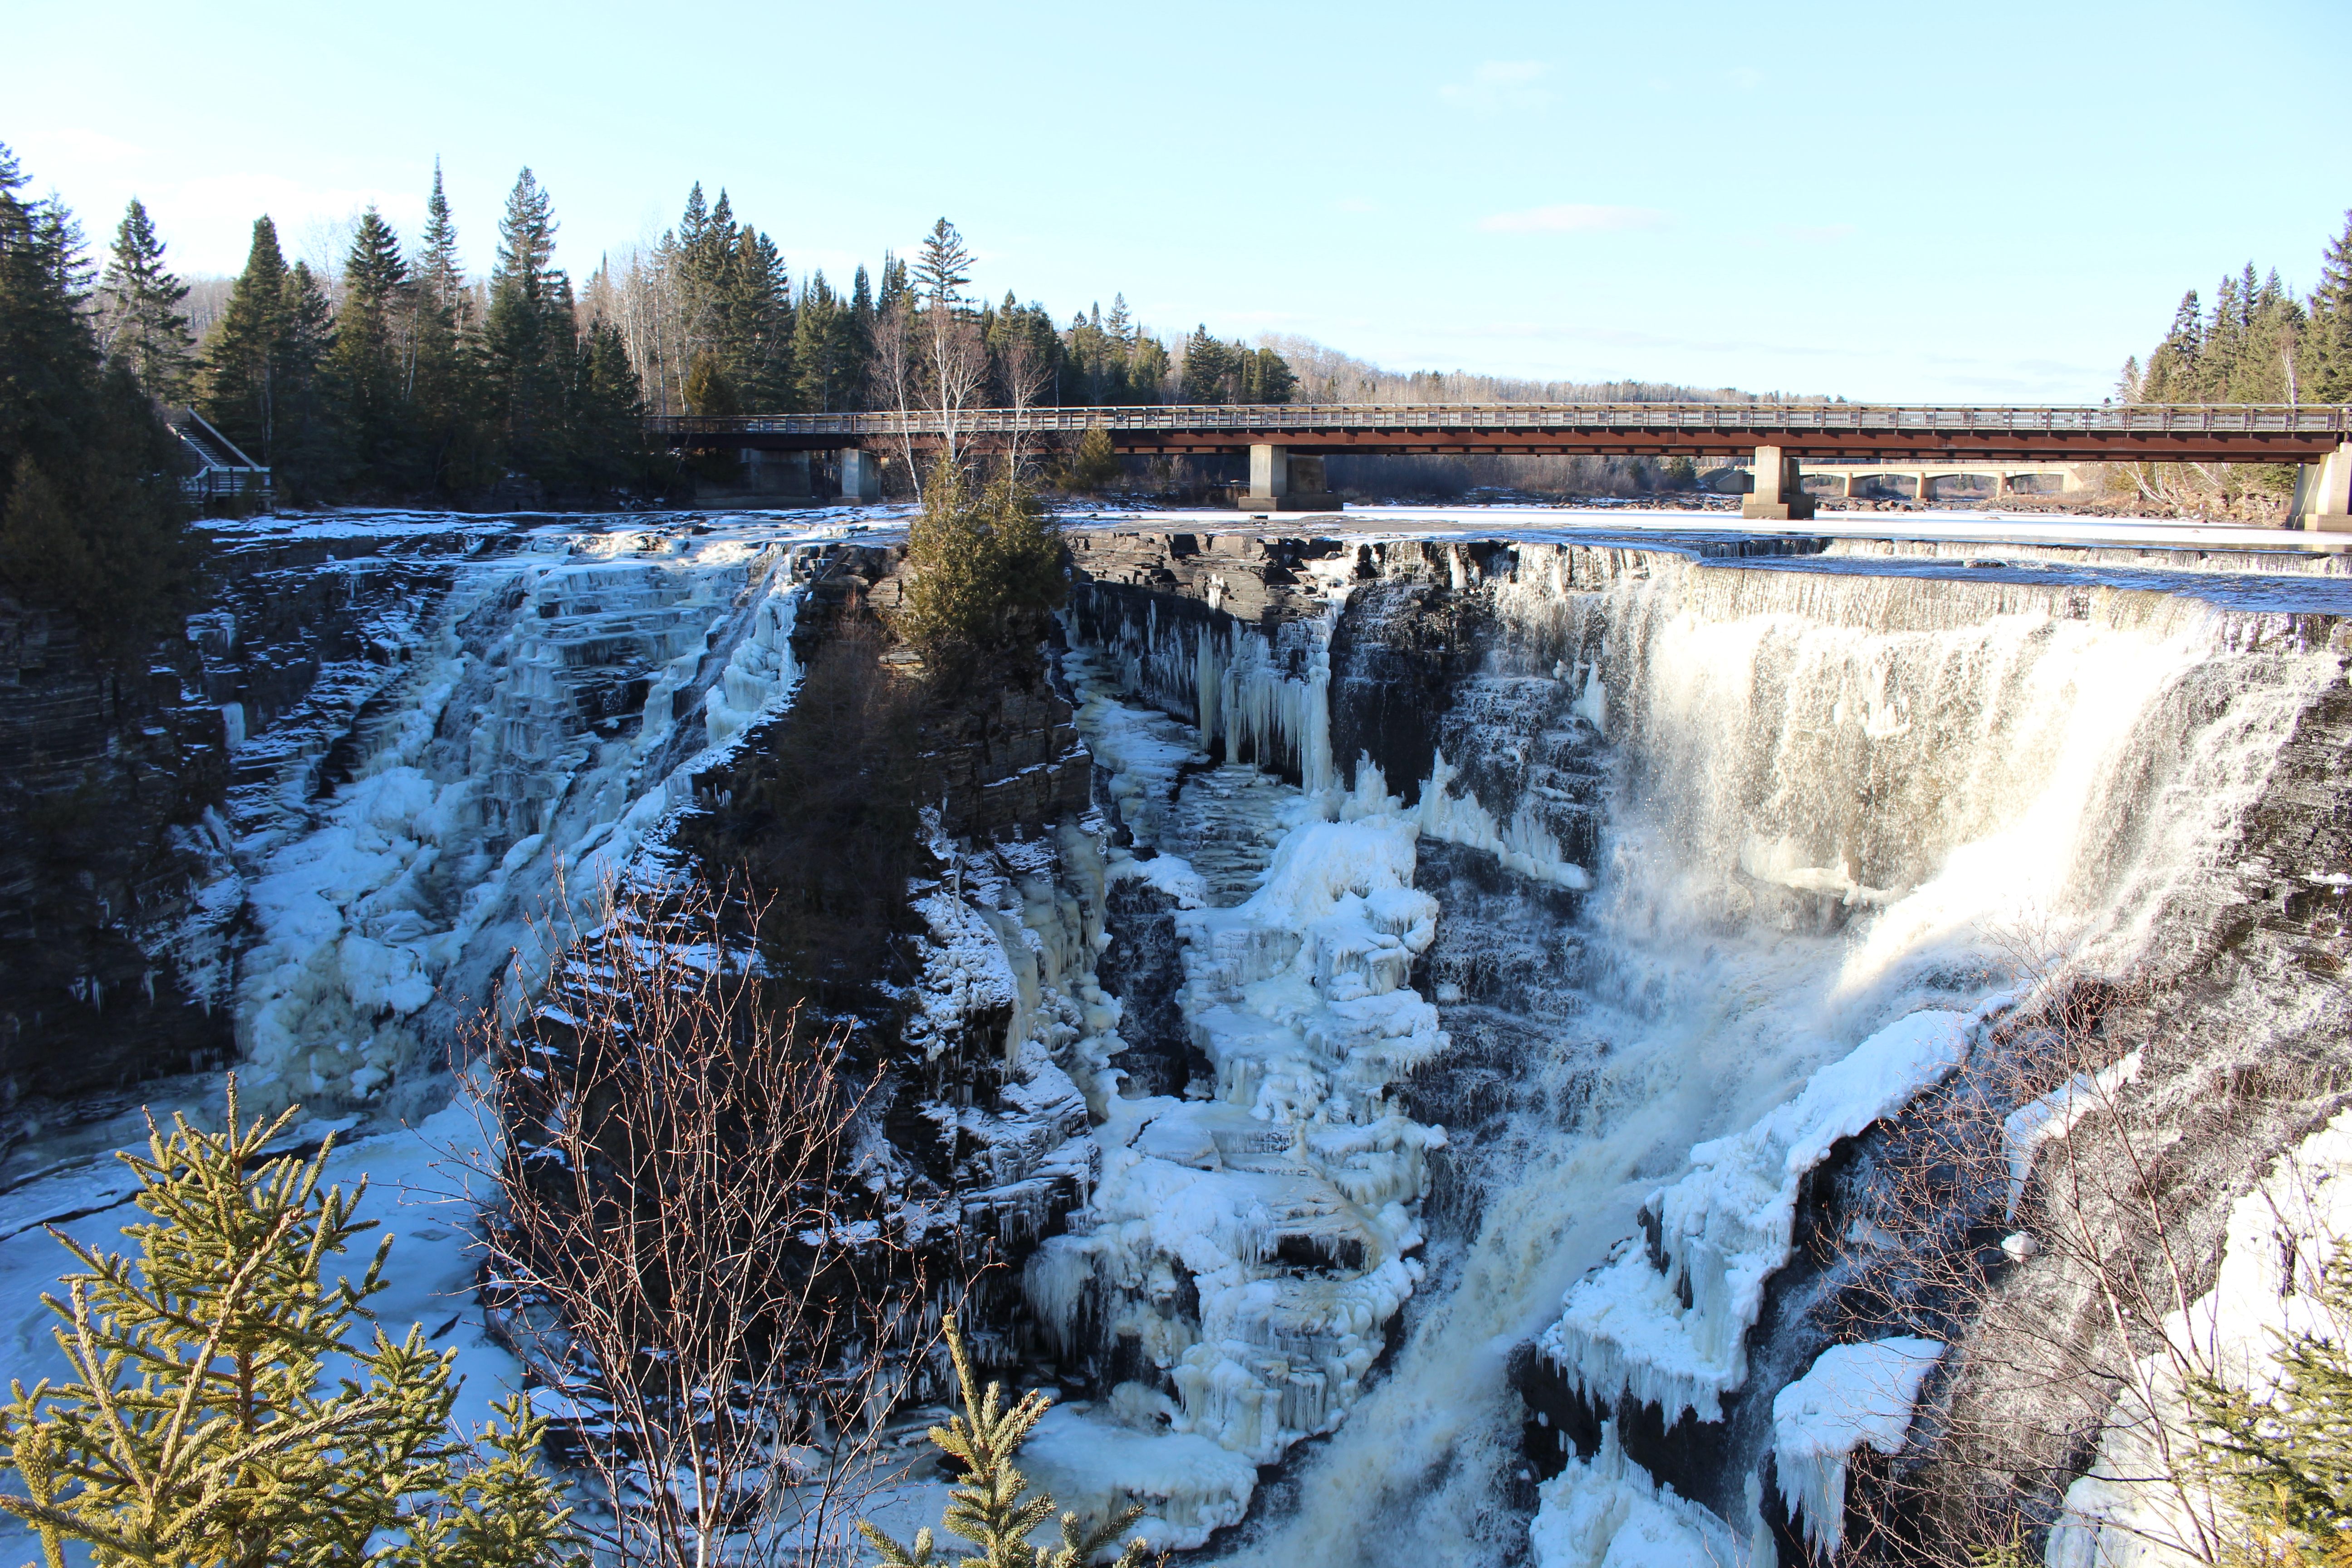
1763,419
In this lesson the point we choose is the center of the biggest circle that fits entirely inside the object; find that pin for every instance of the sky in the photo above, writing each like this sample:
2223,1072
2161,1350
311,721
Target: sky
1992,202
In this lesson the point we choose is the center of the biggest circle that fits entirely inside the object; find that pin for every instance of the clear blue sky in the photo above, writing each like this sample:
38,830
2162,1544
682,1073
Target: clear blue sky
1987,202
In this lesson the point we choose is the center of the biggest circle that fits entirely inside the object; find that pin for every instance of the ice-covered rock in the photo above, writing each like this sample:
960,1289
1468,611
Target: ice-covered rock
1852,1394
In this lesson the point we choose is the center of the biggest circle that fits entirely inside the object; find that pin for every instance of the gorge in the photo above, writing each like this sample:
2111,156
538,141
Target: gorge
1425,1016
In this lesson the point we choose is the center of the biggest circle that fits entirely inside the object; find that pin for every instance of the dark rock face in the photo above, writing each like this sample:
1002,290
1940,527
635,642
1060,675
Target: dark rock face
1143,967
106,778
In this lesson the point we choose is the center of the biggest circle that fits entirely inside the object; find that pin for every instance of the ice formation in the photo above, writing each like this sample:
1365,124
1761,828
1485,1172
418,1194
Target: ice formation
1852,1394
533,741
1607,1512
1668,1321
1253,1237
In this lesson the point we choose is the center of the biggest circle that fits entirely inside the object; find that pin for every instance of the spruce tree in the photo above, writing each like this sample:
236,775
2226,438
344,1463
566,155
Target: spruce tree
140,304
528,337
239,395
991,1506
372,354
1208,366
306,440
441,376
223,1409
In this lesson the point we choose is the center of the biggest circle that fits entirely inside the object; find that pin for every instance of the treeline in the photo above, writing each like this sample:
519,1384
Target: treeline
91,519
2258,342
715,324
1326,375
400,376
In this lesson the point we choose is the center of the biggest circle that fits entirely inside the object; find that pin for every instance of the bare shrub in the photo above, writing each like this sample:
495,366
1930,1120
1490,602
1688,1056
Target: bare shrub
720,1338
2033,1212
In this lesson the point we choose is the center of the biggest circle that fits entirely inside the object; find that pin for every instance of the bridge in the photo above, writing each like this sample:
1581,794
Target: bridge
1287,442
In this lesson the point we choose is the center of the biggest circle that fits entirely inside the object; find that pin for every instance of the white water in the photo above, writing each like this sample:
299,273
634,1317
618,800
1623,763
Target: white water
1969,772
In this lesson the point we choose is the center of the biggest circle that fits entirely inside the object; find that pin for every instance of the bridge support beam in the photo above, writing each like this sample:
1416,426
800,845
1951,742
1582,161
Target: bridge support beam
1280,482
1779,494
861,476
2323,494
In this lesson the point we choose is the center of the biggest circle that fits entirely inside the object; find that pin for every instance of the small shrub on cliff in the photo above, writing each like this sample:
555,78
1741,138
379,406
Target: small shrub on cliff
2286,1457
984,567
988,1509
203,1426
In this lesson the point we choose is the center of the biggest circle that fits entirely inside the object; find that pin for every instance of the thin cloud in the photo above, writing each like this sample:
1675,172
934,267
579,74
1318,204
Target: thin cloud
1572,218
1500,84
1355,205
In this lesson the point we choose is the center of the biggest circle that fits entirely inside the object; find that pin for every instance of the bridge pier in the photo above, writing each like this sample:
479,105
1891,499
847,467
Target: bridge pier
1779,494
1280,482
861,476
2323,494
775,473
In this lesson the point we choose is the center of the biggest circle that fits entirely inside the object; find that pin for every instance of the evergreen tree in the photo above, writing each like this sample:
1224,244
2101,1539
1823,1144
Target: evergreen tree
990,1506
1148,369
372,354
305,448
757,313
2328,356
1208,368
441,381
1266,377
608,415
141,307
529,335
943,266
2172,369
826,373
223,1410
48,364
709,390
91,521
239,395
897,289
984,568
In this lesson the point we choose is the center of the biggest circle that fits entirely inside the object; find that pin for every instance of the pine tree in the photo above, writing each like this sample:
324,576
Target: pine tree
239,395
757,313
983,567
943,266
372,353
140,305
2172,369
991,1506
223,1411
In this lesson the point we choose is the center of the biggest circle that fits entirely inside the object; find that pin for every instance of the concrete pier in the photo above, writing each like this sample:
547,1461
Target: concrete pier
1280,482
861,476
2323,494
1779,494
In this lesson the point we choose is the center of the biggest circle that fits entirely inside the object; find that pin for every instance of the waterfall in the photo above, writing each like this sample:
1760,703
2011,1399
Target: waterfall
1737,857
536,738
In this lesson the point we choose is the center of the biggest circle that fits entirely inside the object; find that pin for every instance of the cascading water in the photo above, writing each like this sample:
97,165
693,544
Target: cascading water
1825,812
554,708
